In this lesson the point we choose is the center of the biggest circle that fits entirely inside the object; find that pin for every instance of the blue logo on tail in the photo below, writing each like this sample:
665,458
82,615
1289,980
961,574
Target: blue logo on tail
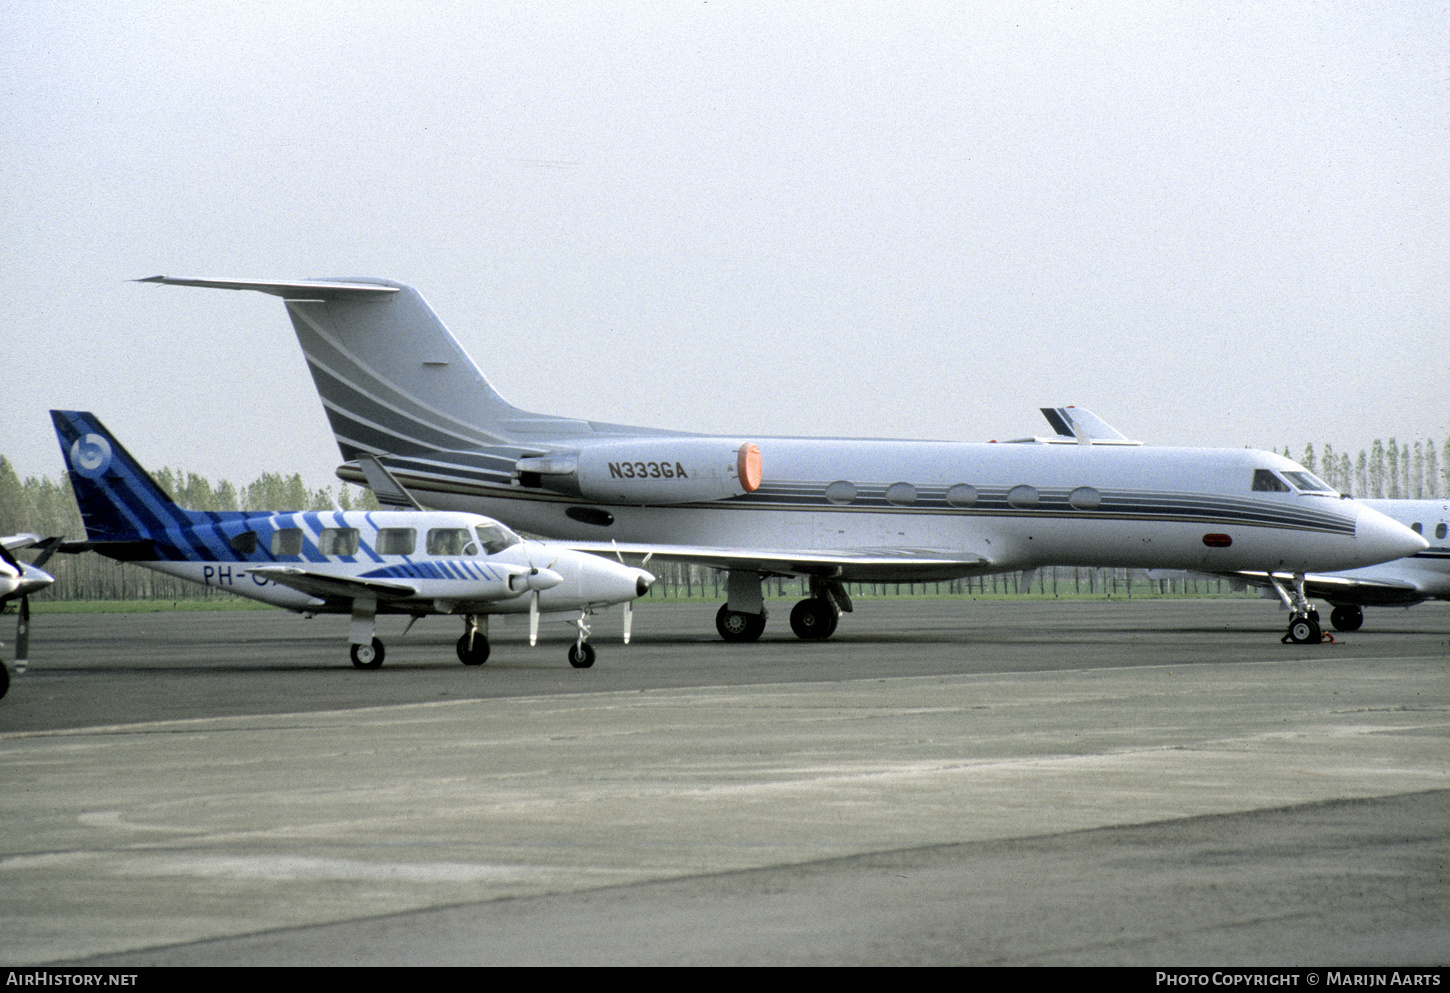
91,456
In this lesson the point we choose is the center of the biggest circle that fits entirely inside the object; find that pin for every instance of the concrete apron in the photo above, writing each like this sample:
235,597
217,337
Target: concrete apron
148,834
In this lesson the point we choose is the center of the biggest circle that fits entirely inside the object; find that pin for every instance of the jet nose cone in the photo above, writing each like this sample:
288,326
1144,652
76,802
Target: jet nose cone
1381,538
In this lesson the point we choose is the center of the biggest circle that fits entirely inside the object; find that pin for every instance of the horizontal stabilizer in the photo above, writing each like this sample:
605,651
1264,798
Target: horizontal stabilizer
300,290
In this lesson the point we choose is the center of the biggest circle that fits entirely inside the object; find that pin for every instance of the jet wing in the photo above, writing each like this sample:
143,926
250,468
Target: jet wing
853,565
331,587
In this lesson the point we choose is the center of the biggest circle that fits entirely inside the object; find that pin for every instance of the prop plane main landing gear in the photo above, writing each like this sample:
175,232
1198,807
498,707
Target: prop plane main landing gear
1347,617
367,651
473,645
368,656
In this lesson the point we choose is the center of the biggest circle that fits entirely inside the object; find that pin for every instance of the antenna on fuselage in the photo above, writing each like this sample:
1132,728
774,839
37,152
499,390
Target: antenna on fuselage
385,485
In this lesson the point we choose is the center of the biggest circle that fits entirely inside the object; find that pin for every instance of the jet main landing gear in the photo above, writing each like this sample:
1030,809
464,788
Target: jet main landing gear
1347,617
814,619
736,625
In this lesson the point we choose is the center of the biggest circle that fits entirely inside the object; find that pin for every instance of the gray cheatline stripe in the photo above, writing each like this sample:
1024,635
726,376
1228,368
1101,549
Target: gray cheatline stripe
465,487
367,369
363,422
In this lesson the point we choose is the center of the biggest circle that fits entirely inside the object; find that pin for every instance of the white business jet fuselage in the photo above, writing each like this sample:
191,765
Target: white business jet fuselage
396,384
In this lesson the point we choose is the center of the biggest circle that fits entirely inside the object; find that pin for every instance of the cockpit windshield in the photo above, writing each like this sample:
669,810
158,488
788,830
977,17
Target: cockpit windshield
1266,482
495,537
1309,483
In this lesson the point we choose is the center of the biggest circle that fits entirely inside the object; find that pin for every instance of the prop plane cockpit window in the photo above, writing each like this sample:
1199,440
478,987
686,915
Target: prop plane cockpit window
287,541
448,541
337,541
495,538
244,543
1308,482
1266,482
397,541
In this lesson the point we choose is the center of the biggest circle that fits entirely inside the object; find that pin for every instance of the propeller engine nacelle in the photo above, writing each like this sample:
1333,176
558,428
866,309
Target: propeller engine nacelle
649,471
534,579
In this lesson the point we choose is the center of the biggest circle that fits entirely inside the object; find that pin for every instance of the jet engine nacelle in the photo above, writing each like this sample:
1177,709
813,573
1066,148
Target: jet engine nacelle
649,471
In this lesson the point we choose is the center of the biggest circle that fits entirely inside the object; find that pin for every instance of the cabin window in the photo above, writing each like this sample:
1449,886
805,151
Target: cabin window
495,538
448,541
1308,482
397,541
337,541
287,541
1266,482
244,543
1417,527
1440,530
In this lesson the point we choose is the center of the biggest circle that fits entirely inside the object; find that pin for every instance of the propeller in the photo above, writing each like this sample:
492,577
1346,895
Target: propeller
26,579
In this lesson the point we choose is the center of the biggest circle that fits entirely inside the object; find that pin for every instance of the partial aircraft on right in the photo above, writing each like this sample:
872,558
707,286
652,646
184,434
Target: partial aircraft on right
1424,575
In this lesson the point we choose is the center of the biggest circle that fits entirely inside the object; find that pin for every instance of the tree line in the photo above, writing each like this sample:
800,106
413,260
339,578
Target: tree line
1387,470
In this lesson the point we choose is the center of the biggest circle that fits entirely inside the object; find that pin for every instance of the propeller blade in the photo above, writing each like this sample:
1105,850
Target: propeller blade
628,619
534,618
22,637
47,549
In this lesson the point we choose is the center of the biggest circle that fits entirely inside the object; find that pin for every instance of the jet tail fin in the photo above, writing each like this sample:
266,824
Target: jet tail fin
392,378
118,499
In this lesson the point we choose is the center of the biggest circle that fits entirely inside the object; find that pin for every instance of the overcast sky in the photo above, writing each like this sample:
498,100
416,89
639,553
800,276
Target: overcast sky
1212,224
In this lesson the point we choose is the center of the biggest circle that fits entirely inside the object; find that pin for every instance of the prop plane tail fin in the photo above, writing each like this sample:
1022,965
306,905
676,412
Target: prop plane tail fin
118,499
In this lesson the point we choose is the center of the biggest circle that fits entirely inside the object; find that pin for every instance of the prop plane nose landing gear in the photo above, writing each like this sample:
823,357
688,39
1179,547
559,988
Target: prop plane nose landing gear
473,645
581,653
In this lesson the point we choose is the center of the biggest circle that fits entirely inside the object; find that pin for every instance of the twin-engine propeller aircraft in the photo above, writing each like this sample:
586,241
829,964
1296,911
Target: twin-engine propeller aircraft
396,385
351,562
17,581
1424,575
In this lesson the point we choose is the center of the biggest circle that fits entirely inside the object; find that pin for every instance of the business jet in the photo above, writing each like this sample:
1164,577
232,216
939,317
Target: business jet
360,563
398,387
1405,582
17,581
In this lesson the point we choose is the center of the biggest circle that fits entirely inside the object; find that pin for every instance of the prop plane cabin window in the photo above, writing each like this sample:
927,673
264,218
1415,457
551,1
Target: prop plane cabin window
337,541
448,541
287,541
397,541
1266,482
244,543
